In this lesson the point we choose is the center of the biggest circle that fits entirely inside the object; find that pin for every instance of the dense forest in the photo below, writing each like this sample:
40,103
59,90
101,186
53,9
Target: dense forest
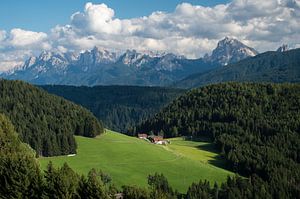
20,177
276,67
119,107
44,121
256,128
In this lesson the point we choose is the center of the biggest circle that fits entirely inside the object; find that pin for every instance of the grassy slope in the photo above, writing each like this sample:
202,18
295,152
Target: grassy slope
129,160
202,152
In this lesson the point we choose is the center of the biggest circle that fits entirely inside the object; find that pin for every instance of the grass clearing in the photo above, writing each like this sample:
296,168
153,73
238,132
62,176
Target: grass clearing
130,160
202,152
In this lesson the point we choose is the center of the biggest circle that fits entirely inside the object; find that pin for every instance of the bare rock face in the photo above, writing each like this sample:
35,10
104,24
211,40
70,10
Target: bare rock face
229,51
283,48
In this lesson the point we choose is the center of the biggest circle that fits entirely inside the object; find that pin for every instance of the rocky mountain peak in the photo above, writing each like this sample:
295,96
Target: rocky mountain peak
45,55
97,56
30,61
283,48
132,57
230,50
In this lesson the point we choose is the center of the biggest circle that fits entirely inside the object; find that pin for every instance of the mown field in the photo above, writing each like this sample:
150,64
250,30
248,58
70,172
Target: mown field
130,160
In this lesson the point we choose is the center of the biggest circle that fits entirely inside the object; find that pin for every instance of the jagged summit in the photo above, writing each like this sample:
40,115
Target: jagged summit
132,57
102,67
230,50
96,56
99,66
283,48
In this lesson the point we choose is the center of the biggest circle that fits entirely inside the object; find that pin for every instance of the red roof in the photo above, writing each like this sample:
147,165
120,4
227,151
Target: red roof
158,138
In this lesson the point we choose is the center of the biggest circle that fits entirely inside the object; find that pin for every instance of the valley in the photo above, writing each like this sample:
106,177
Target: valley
118,107
176,99
130,160
237,126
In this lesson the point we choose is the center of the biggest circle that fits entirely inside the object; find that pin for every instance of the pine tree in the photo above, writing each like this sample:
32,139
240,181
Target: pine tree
92,187
19,172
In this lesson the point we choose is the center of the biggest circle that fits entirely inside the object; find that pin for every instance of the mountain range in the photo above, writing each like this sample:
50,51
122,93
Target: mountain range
102,67
278,66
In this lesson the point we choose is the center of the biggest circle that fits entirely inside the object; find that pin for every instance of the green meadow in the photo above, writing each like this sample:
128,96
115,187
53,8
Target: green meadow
130,160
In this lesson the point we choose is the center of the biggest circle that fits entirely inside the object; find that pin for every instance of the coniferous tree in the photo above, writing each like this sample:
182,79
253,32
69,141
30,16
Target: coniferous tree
255,127
159,187
61,183
133,192
92,187
19,171
44,121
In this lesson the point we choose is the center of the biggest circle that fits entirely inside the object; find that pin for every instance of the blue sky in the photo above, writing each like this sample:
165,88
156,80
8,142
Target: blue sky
42,15
190,28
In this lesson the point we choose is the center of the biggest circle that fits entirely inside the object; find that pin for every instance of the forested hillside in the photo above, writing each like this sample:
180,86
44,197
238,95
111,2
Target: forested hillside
19,170
119,107
255,126
276,67
20,177
44,121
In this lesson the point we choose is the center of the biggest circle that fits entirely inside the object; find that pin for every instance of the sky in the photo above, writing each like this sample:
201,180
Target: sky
43,15
190,28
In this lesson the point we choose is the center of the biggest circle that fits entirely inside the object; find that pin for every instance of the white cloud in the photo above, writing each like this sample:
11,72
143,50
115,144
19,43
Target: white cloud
97,18
25,38
19,44
2,35
12,58
268,22
190,30
62,49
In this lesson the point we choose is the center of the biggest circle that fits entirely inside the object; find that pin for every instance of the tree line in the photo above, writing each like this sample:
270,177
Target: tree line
255,127
44,121
20,177
119,107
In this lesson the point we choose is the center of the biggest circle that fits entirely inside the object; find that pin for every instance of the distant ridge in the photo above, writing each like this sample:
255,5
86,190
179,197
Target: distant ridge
273,66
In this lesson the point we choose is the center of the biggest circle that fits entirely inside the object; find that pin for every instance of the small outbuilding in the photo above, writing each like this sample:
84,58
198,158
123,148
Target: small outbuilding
142,136
155,138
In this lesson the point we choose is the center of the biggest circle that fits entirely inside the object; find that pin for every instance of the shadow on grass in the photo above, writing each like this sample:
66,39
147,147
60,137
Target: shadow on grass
217,161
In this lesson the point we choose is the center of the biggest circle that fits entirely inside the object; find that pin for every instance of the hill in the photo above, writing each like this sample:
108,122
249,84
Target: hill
44,121
130,160
255,126
119,107
276,67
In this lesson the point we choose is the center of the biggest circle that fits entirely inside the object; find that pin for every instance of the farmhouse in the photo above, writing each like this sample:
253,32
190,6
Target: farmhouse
142,136
157,139
153,139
